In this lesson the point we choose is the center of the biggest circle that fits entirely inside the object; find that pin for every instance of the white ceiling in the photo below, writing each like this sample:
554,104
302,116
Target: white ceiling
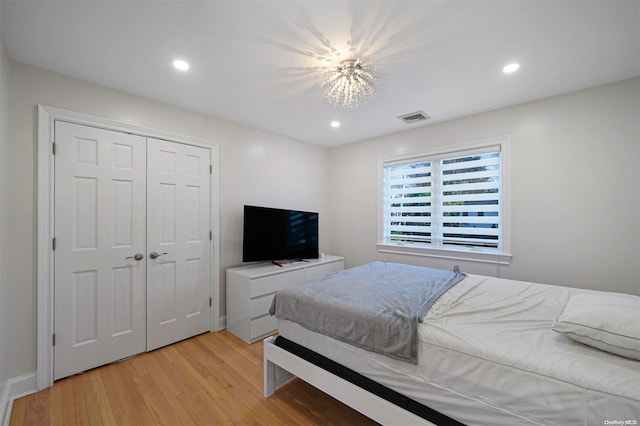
257,62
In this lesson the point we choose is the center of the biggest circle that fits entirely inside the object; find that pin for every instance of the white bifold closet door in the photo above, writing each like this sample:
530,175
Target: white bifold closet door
118,198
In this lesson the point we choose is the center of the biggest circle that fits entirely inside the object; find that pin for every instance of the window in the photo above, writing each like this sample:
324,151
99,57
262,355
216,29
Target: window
449,203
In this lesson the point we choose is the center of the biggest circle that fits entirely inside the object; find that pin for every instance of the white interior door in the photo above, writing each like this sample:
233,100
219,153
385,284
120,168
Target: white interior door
178,230
99,227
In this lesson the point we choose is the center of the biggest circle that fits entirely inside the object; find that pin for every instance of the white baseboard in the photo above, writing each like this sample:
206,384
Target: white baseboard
12,390
223,322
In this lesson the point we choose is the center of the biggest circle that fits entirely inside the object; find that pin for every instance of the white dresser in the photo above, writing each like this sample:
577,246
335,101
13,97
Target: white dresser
251,288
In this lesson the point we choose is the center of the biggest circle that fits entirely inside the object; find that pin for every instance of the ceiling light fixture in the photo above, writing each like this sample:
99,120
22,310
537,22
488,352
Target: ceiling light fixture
181,65
511,68
351,83
335,124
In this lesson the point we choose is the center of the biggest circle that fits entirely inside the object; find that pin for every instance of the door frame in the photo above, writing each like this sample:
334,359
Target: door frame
47,116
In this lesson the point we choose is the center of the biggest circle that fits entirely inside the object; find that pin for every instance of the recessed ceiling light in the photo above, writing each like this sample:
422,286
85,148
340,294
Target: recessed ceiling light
511,68
335,124
181,65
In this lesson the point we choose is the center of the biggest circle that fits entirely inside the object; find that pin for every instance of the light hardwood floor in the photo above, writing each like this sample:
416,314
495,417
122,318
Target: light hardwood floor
211,379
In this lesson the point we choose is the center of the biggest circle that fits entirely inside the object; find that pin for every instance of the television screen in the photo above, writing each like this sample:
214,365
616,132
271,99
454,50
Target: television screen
279,234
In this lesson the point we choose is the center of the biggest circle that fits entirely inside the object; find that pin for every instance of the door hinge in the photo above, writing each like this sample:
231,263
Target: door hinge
53,339
210,301
53,243
210,169
210,235
53,149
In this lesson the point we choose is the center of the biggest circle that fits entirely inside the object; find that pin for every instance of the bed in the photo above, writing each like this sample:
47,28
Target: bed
489,351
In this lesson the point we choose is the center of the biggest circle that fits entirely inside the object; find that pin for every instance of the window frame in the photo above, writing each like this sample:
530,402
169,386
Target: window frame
477,254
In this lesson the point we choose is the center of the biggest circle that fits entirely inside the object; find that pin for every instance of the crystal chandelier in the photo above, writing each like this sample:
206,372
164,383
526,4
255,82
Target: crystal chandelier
351,83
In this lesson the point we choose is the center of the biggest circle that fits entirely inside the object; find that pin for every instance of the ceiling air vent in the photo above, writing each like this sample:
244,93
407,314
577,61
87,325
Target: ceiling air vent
414,117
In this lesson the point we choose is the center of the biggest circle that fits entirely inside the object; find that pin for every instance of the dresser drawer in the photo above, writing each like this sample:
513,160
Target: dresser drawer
273,283
262,326
260,305
319,271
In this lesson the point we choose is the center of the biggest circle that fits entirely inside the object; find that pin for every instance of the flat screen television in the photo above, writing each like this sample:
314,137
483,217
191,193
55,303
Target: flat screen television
278,234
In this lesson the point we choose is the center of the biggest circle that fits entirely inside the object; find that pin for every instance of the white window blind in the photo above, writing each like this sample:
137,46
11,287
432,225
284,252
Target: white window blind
449,200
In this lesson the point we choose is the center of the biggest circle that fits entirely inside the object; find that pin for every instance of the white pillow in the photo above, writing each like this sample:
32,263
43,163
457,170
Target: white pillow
607,321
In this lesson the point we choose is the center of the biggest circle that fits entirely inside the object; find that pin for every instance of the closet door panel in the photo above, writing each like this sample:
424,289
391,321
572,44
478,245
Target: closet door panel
178,206
100,215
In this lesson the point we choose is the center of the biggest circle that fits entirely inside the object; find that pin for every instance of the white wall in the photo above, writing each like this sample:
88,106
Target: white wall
255,168
4,140
575,188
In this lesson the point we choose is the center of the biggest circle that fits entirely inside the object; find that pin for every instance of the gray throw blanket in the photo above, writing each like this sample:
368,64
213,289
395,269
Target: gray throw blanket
376,306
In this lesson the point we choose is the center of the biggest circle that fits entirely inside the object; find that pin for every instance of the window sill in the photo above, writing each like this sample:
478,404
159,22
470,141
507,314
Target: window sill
447,253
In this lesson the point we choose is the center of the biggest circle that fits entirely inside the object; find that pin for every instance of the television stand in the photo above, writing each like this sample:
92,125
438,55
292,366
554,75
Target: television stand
251,288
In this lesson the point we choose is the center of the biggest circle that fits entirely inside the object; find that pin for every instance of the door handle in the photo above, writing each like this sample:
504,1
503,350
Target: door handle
154,255
137,256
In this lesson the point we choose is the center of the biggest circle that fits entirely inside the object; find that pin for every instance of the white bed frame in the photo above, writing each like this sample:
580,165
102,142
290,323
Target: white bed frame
280,366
